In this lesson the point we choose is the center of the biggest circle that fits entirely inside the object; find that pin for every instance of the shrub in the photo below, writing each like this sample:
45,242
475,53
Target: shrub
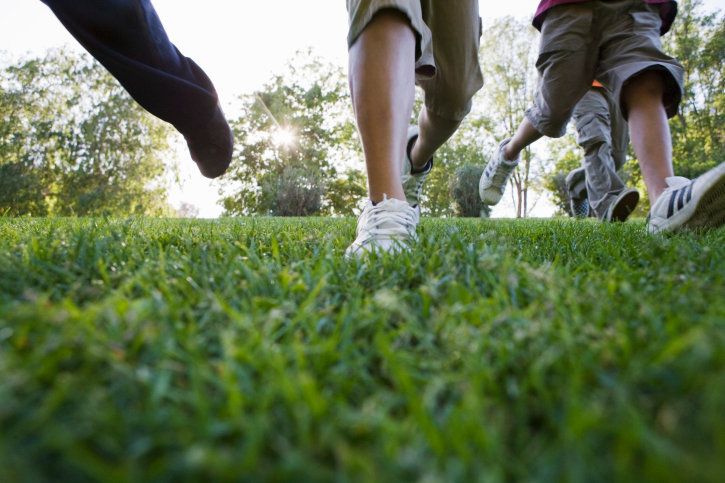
297,192
464,190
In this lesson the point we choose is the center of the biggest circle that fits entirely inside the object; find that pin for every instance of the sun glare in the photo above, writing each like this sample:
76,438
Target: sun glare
284,137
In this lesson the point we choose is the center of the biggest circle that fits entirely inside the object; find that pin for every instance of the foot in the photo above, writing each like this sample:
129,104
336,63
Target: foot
211,147
413,178
623,205
497,173
388,226
697,204
580,208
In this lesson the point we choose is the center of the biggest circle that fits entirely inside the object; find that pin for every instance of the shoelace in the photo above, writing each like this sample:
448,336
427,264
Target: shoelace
402,223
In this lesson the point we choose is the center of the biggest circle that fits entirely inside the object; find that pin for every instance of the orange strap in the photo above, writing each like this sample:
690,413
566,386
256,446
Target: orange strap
596,84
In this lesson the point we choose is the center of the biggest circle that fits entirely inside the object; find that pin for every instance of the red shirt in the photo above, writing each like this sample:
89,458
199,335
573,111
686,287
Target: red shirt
668,11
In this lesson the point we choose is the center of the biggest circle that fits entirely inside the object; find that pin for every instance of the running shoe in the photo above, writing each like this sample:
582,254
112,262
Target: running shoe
388,226
494,178
413,179
685,204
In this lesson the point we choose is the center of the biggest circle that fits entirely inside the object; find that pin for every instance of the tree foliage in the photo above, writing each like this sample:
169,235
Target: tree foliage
697,40
73,142
297,134
464,191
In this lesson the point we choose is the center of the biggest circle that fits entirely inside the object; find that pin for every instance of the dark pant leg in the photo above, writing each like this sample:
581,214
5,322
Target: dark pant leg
126,36
592,119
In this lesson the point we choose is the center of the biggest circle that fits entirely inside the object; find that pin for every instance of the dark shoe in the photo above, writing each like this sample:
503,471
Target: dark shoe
212,146
580,208
623,205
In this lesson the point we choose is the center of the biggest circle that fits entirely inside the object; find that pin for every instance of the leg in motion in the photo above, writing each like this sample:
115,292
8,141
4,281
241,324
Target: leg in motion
676,202
382,83
649,130
127,37
595,117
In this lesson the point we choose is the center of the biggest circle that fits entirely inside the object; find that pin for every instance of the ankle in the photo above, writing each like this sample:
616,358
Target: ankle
413,154
508,154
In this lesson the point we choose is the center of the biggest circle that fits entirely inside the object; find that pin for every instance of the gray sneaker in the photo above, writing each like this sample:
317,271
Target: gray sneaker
623,205
413,180
494,178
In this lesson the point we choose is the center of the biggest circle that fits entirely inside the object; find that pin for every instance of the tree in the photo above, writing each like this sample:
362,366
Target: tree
298,127
470,146
697,40
73,142
508,60
187,210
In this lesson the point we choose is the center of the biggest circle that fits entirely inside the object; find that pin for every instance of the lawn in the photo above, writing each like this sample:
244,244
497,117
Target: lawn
249,350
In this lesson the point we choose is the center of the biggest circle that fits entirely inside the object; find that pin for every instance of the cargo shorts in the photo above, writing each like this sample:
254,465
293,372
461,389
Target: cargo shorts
448,34
612,41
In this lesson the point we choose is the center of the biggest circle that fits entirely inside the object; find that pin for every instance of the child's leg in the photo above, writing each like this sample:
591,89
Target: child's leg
649,130
595,118
127,37
525,135
382,83
434,132
456,30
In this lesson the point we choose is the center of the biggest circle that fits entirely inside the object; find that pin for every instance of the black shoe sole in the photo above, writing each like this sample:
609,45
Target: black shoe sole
625,207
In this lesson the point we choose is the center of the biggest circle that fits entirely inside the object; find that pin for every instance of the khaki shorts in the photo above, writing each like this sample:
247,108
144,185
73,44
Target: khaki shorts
448,34
612,41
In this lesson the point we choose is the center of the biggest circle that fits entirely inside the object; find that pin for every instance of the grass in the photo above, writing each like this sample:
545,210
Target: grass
249,350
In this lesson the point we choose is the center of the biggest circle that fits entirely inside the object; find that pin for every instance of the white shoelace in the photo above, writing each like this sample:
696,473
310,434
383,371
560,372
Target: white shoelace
399,223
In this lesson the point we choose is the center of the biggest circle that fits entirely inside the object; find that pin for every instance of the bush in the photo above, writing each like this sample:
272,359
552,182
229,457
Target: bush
556,184
464,190
297,192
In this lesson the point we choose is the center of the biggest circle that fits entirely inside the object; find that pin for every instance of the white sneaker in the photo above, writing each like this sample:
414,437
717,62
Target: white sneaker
494,178
693,204
388,226
413,182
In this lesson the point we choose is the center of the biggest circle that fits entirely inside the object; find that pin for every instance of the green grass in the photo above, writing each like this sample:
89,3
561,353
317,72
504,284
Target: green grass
250,350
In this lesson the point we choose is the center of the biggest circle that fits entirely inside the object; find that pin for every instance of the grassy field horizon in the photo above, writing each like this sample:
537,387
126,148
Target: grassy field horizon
249,349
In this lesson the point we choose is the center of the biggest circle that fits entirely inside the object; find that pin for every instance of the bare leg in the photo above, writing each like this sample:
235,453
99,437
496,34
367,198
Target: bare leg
382,86
434,132
649,130
525,135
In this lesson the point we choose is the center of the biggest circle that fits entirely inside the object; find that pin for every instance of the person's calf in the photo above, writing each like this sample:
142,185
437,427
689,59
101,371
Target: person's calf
434,131
382,80
649,129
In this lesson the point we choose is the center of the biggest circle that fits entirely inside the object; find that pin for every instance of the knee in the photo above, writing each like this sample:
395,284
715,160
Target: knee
592,131
646,88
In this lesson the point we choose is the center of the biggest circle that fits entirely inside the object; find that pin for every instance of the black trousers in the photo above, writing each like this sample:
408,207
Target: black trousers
127,38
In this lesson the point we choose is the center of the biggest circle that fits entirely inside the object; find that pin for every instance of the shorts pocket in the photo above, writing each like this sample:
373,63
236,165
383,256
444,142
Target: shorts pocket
646,22
566,27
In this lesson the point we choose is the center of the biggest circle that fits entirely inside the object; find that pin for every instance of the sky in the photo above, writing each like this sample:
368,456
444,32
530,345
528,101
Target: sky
240,44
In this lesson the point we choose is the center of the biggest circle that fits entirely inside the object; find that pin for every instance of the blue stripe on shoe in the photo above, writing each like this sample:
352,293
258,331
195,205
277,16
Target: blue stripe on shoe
671,207
689,191
681,199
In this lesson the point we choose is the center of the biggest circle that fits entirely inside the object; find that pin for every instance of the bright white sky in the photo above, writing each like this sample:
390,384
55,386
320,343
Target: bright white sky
239,43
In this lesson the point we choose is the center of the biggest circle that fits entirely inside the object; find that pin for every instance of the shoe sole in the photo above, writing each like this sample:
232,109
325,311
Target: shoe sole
625,207
707,212
397,247
489,195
